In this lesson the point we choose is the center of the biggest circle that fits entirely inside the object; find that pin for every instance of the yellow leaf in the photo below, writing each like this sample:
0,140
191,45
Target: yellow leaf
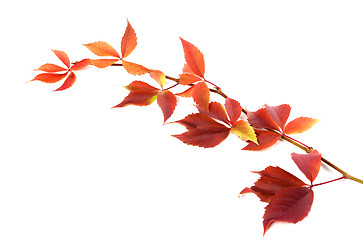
244,131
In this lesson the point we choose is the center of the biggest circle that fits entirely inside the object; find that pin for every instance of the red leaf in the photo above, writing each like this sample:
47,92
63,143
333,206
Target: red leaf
50,77
70,80
135,69
63,57
289,205
309,163
102,49
262,119
205,136
273,180
103,63
265,139
48,67
141,94
196,120
194,58
81,64
201,95
216,111
299,125
233,108
279,114
129,41
167,102
186,79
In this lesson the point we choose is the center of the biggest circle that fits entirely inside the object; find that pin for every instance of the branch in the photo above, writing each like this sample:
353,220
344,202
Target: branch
288,139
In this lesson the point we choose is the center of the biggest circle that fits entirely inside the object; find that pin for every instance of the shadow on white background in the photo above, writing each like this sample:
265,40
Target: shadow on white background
73,168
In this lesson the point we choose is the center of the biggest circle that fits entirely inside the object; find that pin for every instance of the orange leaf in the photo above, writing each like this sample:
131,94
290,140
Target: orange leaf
50,77
186,79
48,67
129,41
201,95
102,49
135,69
300,125
103,63
289,205
194,58
186,93
81,64
158,76
68,82
167,102
196,120
63,57
308,163
141,94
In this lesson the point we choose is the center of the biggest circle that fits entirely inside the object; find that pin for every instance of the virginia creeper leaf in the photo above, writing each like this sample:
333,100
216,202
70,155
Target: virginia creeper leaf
129,41
279,114
271,181
63,57
244,131
158,76
308,163
167,102
265,139
135,69
196,120
205,136
70,80
103,63
141,94
299,125
216,111
262,119
140,85
233,108
81,64
201,95
187,70
289,205
194,58
102,49
186,93
50,68
50,77
186,79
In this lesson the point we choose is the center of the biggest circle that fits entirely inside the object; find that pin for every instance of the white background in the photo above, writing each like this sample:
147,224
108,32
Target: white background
73,168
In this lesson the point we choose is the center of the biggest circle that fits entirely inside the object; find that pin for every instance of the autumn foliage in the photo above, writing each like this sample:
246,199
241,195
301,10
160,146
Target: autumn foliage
288,198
